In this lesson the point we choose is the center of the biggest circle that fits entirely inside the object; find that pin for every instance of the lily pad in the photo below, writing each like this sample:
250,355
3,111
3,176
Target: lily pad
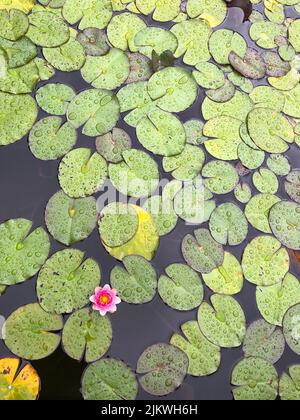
13,24
20,80
55,98
292,185
31,333
255,379
136,176
223,323
94,41
209,76
258,209
23,5
294,34
227,278
289,385
223,42
249,157
107,72
187,165
67,57
291,328
194,132
221,177
237,107
18,114
265,341
18,384
214,11
82,173
161,133
193,36
47,29
155,39
96,110
223,94
204,357
68,220
268,97
144,243
279,165
265,261
265,181
137,283
274,301
109,380
21,253
122,30
50,140
182,288
243,193
264,33
163,213
285,223
276,67
250,65
90,13
162,11
163,367
86,334
67,281
112,145
18,53
173,88
140,68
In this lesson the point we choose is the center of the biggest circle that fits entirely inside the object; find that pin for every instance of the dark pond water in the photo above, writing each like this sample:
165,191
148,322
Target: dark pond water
25,188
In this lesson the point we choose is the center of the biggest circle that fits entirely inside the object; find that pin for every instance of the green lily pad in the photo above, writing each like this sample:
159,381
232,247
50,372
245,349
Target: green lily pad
294,34
285,223
82,173
18,114
279,165
238,107
107,72
255,379
251,65
161,133
227,278
111,146
214,11
86,334
228,224
31,333
202,253
243,193
122,30
291,328
47,29
67,57
226,134
223,42
137,176
68,220
221,177
292,185
204,357
173,88
209,76
223,323
55,98
163,213
270,130
286,83
187,165
94,41
193,36
181,288
264,340
258,209
18,53
155,39
45,70
137,283
162,11
291,106
289,385
247,140
90,13
66,281
20,80
50,140
96,110
265,181
223,94
194,132
274,301
118,224
265,262
268,97
21,253
13,24
163,367
109,380
249,157
265,32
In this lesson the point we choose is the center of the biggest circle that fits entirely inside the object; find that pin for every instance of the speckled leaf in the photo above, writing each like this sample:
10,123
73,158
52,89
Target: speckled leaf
214,11
122,30
155,39
291,328
47,29
90,13
221,177
285,223
265,181
289,384
112,145
243,193
251,65
162,11
292,185
68,57
94,41
13,24
240,101
279,164
54,98
187,165
258,209
223,42
162,211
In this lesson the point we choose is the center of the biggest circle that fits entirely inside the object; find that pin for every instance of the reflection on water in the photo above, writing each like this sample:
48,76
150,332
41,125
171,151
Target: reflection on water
26,186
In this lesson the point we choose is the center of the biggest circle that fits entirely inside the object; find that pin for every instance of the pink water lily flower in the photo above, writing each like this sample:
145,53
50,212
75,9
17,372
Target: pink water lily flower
105,300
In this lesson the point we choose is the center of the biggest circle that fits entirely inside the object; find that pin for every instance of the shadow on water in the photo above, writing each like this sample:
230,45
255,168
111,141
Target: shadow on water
26,186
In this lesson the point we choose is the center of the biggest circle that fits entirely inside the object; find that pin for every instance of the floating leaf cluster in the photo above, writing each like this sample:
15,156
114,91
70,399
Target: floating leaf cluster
226,172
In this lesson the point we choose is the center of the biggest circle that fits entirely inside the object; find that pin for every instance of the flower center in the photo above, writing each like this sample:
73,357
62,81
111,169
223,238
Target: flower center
104,299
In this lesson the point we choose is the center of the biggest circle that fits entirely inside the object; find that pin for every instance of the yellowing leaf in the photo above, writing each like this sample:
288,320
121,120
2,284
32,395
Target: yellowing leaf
23,5
24,386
